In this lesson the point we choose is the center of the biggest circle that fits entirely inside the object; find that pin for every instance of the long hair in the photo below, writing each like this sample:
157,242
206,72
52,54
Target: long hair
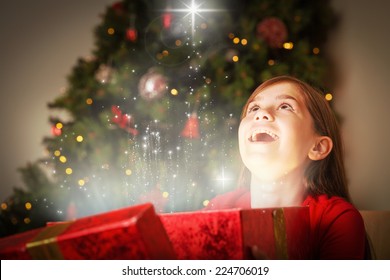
326,176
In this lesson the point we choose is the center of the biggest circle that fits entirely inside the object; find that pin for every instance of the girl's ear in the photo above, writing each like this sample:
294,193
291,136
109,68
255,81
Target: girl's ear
321,149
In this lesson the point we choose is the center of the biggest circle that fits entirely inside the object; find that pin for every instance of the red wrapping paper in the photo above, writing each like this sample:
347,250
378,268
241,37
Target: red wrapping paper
280,233
130,233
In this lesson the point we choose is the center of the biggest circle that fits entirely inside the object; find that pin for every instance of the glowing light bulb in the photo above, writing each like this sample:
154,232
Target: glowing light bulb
28,205
288,45
165,194
63,159
206,202
68,171
174,92
111,31
79,138
328,96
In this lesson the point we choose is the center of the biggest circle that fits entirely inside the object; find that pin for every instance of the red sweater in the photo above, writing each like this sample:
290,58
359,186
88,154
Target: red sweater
336,226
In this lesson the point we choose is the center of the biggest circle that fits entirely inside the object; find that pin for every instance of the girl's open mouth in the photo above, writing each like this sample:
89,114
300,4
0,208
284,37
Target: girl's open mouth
263,136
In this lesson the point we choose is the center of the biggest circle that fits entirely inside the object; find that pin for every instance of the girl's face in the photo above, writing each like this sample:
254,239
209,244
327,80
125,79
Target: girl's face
277,133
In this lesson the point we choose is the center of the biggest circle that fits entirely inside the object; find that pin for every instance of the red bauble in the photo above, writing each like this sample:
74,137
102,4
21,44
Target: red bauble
167,19
56,131
124,121
131,34
152,85
118,8
191,128
273,31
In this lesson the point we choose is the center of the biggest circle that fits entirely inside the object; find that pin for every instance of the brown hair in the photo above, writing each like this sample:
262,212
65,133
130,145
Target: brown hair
326,176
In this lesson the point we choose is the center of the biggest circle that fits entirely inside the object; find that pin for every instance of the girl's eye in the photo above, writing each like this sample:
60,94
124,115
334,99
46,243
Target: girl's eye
286,106
253,108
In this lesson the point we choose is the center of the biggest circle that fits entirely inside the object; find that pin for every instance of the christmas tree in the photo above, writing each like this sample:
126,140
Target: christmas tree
153,115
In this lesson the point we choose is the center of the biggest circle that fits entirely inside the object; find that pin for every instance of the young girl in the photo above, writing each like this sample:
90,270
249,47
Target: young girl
291,147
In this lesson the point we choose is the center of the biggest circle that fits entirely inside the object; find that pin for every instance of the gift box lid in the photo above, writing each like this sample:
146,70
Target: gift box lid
133,232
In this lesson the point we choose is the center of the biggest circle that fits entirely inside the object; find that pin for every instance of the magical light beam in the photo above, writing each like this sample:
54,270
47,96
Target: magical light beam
193,10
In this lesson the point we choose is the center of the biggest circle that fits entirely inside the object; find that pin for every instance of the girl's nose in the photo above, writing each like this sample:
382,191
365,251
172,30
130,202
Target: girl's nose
263,115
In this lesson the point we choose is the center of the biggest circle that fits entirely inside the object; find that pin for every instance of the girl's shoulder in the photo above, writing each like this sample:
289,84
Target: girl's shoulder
329,203
337,228
326,209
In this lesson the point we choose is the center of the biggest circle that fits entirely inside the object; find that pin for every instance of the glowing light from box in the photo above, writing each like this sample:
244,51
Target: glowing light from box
165,194
223,178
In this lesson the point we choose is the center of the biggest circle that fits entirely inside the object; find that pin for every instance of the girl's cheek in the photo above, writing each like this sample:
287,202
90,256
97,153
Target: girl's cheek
245,122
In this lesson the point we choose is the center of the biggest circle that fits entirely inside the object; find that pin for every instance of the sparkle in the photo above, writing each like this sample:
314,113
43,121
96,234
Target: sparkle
223,178
193,9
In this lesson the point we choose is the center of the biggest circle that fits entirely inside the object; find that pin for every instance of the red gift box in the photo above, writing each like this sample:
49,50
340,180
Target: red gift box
280,233
130,233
